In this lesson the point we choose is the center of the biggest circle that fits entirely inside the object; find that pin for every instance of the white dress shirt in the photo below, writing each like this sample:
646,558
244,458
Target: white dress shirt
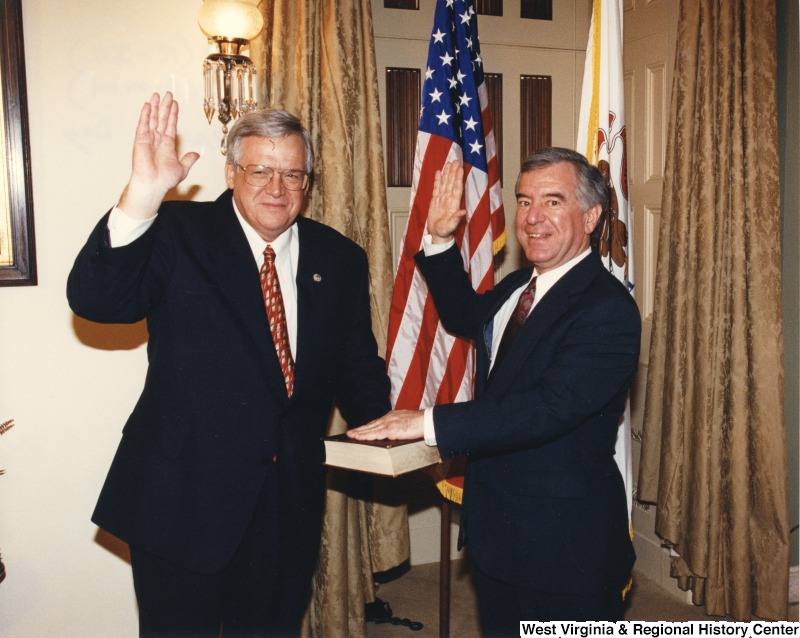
123,230
544,283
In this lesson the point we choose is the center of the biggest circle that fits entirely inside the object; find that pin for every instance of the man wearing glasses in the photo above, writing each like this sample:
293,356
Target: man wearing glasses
258,321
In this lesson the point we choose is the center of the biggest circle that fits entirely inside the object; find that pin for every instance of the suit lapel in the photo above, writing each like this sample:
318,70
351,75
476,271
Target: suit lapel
313,278
504,290
232,267
558,300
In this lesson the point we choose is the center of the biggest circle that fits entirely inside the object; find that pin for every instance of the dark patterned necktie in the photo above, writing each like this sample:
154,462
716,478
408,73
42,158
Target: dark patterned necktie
273,300
514,325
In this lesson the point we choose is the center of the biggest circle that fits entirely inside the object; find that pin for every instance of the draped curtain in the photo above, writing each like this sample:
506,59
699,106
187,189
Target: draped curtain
319,63
713,449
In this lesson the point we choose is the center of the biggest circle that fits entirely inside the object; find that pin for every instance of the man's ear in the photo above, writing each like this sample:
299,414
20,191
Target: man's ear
230,171
591,218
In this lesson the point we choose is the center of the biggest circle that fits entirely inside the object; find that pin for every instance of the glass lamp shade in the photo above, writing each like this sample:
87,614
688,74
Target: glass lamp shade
230,19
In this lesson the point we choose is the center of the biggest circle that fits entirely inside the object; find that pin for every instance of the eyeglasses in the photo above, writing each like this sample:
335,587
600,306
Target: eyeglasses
259,176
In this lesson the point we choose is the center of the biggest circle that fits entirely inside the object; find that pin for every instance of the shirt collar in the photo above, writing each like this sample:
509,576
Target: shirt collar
548,279
257,244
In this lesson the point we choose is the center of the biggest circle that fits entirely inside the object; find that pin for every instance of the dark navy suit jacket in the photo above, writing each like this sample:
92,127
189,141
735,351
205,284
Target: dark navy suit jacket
214,413
544,503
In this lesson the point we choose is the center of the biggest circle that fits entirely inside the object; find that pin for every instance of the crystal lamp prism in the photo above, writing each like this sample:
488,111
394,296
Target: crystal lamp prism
229,75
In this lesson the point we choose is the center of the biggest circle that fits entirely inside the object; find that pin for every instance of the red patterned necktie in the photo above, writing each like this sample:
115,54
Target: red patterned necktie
273,300
518,317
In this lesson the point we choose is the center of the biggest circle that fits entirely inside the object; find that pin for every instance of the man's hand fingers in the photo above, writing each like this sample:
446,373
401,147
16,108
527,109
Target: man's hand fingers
172,119
399,424
152,122
143,125
444,213
452,177
365,433
188,160
164,111
372,431
156,166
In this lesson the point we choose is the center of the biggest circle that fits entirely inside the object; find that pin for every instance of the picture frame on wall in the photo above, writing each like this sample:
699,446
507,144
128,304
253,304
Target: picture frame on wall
17,239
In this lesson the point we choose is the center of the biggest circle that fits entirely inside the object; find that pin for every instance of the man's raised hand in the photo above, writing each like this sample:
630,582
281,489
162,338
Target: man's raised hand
156,167
445,212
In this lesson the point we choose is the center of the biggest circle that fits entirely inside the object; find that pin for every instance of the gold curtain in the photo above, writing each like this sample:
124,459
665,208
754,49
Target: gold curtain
319,62
713,450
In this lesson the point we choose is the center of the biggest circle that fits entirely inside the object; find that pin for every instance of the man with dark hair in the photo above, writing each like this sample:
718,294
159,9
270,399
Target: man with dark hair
258,320
544,512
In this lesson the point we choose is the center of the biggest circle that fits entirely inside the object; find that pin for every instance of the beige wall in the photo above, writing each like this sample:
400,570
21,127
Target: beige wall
69,384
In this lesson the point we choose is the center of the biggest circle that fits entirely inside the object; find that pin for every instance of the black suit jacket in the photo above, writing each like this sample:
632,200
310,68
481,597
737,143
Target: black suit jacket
214,412
544,502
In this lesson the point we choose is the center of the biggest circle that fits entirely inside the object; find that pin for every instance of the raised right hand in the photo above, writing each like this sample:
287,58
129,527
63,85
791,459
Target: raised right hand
444,214
156,167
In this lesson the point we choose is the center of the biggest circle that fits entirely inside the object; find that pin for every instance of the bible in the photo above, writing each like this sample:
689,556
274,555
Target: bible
390,458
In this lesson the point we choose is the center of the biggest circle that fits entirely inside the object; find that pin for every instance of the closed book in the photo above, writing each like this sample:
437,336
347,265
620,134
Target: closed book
390,458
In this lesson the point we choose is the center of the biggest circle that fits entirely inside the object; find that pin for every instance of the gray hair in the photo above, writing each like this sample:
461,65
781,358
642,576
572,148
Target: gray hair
268,123
593,188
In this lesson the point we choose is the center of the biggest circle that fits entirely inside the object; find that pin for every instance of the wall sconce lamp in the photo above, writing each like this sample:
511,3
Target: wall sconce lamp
228,74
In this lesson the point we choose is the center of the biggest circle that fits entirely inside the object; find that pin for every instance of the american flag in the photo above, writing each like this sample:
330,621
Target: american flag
427,365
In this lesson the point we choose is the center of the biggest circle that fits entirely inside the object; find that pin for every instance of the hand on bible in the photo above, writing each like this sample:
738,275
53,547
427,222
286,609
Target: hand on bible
396,425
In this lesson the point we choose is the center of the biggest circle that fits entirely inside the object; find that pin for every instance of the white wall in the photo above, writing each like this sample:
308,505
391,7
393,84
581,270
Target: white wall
70,384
